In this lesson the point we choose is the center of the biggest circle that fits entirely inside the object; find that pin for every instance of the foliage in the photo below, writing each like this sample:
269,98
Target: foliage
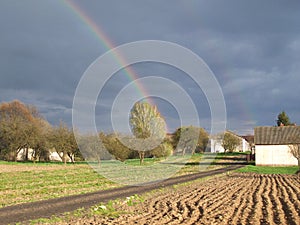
107,209
163,150
92,147
191,139
20,129
283,119
202,140
115,147
62,139
148,127
230,142
41,144
23,131
146,121
51,220
134,199
186,139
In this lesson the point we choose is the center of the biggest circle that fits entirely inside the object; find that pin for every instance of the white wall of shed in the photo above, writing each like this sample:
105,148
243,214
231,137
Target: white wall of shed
274,155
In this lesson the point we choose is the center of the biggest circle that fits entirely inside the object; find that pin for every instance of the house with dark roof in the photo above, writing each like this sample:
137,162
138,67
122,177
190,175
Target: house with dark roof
272,145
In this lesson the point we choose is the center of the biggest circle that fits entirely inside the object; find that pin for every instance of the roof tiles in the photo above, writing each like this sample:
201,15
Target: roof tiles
277,135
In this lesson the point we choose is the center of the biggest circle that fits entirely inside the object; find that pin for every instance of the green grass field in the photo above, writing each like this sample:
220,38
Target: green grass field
31,182
268,169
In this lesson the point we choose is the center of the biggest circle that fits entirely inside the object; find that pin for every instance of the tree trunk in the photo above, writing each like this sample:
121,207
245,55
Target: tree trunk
141,155
34,156
64,158
72,158
15,156
183,151
26,154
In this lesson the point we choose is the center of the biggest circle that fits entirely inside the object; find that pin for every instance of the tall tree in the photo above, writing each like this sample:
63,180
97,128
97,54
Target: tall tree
17,128
283,119
148,127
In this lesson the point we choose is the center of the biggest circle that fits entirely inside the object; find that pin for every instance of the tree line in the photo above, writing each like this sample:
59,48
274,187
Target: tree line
23,130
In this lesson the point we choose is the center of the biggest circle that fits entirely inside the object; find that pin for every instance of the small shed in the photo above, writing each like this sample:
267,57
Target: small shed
272,145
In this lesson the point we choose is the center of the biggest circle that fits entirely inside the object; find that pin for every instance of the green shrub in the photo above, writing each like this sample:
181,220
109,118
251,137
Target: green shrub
162,151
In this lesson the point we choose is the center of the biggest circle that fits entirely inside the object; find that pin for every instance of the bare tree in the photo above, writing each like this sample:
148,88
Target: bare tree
63,140
17,128
295,151
41,143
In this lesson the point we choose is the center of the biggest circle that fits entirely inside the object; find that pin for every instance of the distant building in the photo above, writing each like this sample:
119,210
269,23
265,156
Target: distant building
272,145
216,143
22,154
51,156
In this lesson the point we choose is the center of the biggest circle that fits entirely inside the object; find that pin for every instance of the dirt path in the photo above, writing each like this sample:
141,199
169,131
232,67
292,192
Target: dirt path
47,208
234,199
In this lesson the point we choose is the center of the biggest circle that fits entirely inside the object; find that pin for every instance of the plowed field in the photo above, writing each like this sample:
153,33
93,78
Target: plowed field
233,199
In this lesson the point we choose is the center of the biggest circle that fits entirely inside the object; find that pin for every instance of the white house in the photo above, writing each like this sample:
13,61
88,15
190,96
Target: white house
216,143
53,155
272,145
22,153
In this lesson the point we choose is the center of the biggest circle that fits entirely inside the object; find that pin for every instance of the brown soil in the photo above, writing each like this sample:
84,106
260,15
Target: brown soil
231,199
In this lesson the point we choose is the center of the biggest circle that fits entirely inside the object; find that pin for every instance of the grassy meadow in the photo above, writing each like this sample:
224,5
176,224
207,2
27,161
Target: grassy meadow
29,182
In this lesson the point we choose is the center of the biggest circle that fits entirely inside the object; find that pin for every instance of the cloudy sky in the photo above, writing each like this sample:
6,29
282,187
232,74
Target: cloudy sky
251,47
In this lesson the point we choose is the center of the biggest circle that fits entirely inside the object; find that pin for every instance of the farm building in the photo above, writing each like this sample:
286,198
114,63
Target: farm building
272,145
216,143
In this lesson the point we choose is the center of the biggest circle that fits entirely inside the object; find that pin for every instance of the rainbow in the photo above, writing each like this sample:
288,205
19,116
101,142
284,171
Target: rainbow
108,44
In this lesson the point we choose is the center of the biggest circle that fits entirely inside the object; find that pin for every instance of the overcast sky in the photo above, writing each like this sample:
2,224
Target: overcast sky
252,48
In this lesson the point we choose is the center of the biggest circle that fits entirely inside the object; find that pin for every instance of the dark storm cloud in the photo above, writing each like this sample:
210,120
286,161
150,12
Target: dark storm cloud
252,47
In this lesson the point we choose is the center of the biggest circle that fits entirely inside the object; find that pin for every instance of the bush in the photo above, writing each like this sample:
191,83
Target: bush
114,146
163,150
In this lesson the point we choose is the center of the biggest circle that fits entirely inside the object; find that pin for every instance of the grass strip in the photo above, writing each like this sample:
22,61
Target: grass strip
268,169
